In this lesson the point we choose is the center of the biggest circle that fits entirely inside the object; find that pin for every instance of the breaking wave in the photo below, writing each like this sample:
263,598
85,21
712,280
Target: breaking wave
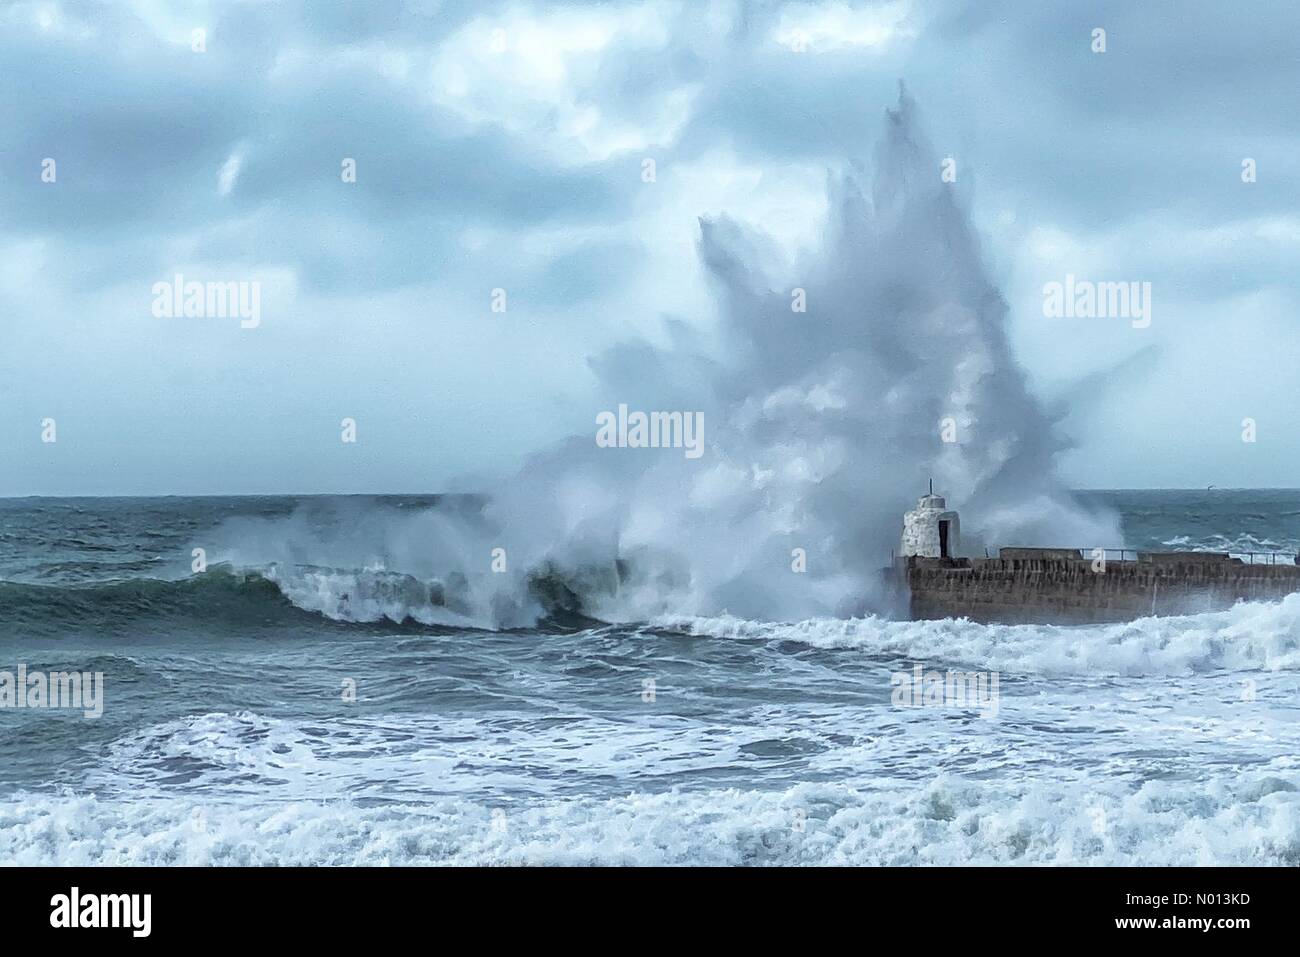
821,429
1249,820
273,595
1251,636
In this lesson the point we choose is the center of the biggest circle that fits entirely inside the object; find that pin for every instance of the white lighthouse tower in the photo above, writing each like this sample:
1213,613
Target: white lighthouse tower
930,530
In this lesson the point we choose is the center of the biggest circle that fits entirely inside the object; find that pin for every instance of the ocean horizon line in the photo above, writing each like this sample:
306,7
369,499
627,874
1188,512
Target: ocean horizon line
484,495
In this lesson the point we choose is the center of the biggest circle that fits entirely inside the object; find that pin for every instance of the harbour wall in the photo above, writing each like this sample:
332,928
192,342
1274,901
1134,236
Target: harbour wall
1053,588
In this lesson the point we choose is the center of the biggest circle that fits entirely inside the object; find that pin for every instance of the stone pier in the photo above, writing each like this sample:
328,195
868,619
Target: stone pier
1065,586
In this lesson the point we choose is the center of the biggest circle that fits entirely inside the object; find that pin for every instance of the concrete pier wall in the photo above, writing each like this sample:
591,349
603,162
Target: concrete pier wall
1052,589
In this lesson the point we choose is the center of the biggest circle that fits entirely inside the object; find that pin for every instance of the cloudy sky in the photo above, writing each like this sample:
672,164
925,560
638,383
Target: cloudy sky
503,146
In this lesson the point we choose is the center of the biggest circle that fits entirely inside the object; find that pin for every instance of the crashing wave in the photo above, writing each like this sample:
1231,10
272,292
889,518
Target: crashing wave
1246,820
1251,636
822,426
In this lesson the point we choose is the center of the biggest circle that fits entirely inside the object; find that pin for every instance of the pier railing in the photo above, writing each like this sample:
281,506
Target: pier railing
1131,555
1266,558
1250,558
1115,554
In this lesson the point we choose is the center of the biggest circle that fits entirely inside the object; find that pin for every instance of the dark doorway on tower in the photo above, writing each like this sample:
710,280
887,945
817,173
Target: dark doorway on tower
943,538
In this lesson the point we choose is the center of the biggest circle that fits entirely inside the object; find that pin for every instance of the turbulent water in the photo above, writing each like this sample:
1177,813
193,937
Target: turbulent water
225,736
832,382
602,659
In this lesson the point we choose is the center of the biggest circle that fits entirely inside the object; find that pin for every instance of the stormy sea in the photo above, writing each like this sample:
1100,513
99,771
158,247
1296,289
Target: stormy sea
311,695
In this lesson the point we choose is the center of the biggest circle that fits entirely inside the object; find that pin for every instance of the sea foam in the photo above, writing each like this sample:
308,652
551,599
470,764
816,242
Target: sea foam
1251,636
1254,820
